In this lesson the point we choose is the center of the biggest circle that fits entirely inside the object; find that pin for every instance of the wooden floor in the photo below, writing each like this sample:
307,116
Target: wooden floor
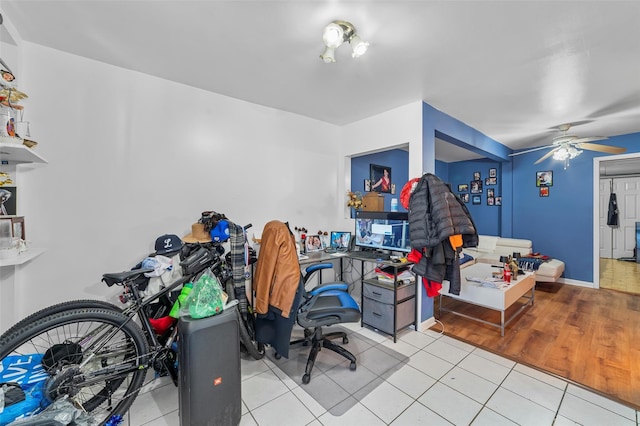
589,336
620,275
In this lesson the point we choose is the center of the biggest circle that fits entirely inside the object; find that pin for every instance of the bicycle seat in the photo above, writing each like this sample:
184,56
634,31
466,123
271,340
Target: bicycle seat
112,278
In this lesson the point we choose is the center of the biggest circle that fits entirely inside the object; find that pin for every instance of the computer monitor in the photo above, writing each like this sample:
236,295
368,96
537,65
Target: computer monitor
383,230
340,240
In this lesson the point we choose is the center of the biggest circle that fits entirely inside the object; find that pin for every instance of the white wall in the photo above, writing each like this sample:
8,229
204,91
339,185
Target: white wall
132,157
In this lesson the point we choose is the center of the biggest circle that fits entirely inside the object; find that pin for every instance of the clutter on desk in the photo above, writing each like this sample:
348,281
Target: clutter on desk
387,274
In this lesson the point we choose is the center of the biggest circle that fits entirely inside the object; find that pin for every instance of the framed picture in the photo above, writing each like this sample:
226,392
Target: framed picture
493,173
8,200
463,187
313,243
498,201
490,201
476,175
544,178
544,191
12,227
464,198
490,192
393,188
367,185
490,181
476,199
380,178
476,186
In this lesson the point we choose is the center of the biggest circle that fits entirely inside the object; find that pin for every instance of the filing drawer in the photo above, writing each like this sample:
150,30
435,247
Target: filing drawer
383,292
380,315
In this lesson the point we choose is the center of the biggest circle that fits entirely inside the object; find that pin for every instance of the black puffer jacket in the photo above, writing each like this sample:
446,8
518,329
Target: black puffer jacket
435,214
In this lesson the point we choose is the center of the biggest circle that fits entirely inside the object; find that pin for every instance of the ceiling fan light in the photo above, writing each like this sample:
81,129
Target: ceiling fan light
333,35
561,154
573,152
358,46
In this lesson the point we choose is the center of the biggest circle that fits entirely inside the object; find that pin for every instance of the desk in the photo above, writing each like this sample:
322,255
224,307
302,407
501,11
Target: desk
320,257
491,298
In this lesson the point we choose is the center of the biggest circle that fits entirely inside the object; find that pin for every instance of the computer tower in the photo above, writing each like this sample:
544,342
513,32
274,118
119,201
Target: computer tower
209,370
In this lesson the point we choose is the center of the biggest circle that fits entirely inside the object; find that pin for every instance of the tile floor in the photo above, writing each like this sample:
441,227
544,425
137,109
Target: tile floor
423,379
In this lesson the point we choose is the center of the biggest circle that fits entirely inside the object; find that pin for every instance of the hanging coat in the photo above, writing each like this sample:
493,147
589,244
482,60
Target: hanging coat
612,215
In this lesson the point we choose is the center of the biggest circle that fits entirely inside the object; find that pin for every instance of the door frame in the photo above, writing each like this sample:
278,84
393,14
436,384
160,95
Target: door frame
596,209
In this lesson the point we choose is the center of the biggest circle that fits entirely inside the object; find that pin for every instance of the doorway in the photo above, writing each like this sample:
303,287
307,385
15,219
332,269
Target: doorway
614,262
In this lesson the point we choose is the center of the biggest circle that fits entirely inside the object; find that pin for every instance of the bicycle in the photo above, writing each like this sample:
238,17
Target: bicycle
96,355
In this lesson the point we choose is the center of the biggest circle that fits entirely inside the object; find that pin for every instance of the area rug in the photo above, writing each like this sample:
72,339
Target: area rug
333,385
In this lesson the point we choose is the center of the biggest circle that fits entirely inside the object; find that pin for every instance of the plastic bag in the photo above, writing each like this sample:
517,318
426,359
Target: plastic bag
206,298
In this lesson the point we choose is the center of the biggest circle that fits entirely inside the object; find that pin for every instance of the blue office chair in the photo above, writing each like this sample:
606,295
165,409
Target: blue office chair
326,304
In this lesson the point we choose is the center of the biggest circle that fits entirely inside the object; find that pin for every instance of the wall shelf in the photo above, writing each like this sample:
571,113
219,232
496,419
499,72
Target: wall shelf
15,153
23,257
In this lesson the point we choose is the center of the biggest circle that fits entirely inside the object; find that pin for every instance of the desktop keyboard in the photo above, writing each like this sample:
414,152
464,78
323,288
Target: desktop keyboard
371,255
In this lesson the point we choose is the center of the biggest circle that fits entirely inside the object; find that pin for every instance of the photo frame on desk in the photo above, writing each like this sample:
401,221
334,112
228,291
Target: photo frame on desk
313,243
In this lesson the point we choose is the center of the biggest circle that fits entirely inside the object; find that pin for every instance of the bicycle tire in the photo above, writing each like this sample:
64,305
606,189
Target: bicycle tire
254,349
61,307
114,357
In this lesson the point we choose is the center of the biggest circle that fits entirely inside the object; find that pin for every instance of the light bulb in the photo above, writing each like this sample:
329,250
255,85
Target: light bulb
561,154
328,56
333,35
358,46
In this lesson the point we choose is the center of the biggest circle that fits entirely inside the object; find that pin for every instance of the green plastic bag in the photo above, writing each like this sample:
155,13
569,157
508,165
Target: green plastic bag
205,299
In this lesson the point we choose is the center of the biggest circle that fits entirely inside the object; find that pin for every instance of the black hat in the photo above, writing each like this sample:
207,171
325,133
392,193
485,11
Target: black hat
168,243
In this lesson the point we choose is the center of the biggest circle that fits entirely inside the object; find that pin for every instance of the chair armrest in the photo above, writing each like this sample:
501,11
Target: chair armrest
318,266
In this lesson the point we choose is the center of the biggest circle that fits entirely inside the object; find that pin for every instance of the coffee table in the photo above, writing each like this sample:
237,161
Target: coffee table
499,299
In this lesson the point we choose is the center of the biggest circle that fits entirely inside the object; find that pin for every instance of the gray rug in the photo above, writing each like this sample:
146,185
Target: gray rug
333,385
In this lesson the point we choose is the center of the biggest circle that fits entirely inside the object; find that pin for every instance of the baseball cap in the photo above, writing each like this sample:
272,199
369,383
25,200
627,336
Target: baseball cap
220,232
168,243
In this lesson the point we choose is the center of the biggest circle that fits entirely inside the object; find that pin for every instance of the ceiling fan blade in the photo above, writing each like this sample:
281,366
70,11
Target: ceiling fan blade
589,139
547,155
530,150
602,148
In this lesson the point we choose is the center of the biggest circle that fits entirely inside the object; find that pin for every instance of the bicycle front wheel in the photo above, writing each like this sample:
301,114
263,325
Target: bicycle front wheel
96,358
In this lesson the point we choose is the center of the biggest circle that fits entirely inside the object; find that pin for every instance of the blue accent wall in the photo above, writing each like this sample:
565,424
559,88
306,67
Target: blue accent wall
561,225
396,159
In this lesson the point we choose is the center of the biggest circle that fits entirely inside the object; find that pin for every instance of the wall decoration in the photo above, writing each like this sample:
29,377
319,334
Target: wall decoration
490,192
476,199
476,175
476,187
8,200
493,173
463,187
393,188
544,178
367,185
544,191
380,178
464,198
498,201
490,181
490,201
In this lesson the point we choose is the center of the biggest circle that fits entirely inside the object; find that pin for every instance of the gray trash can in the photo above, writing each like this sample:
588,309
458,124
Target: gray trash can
209,370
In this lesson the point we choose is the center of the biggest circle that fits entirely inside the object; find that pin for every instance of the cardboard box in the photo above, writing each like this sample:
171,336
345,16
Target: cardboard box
373,202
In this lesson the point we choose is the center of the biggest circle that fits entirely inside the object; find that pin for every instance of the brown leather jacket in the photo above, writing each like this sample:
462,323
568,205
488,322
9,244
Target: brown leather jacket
277,274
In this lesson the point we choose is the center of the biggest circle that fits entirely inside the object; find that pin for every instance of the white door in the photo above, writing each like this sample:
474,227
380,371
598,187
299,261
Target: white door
620,241
606,232
628,193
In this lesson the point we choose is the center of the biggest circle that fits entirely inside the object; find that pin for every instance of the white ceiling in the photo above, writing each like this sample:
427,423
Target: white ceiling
513,70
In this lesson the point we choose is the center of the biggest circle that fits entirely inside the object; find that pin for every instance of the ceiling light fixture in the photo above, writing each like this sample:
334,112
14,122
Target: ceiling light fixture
565,153
338,32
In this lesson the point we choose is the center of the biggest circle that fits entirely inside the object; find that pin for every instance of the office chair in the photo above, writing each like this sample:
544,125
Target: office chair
326,304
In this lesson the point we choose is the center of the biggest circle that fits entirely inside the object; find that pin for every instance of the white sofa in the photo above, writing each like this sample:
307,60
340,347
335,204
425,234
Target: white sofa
490,249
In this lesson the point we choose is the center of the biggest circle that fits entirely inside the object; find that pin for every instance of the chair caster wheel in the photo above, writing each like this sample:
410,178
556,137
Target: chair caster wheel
345,340
306,379
352,366
277,355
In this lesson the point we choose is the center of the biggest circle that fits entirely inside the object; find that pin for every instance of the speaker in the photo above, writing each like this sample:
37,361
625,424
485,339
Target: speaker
209,391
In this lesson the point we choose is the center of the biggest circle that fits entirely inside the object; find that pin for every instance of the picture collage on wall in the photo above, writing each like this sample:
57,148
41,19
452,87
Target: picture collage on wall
544,180
474,189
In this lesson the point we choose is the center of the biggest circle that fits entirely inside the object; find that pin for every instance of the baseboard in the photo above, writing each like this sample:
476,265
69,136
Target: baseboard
576,282
427,324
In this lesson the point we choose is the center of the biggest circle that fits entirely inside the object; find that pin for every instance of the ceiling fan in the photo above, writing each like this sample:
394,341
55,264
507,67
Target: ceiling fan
566,146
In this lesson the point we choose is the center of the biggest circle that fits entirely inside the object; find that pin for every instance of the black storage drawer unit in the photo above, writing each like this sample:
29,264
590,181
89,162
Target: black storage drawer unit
381,303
